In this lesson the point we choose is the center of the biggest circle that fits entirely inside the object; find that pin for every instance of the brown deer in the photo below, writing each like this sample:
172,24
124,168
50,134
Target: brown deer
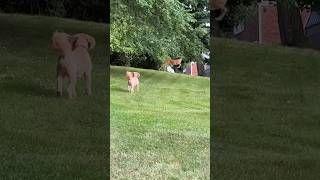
176,61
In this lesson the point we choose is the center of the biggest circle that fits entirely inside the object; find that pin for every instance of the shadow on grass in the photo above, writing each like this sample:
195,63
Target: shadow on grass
28,89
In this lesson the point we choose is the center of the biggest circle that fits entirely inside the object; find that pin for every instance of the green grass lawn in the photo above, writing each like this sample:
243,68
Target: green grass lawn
162,131
266,118
42,136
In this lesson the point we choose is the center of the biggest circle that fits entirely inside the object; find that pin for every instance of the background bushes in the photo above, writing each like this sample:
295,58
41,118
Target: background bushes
93,10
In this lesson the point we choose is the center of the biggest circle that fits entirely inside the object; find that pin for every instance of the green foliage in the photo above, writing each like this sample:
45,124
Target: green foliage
238,11
287,3
244,12
306,3
300,3
160,28
202,15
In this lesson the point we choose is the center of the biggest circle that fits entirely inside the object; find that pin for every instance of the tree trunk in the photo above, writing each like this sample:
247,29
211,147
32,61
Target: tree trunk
290,23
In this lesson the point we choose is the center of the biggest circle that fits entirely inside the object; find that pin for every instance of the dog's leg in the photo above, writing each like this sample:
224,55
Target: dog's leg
137,87
59,77
72,87
72,90
131,90
69,89
74,93
59,85
88,84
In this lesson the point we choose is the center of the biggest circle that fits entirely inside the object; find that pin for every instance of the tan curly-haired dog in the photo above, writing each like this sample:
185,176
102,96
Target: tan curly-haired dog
133,81
74,60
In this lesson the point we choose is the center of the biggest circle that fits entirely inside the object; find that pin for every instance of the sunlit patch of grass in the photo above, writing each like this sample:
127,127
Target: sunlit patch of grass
162,131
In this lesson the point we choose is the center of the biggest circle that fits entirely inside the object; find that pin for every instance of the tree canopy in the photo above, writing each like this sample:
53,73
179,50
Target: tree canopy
166,28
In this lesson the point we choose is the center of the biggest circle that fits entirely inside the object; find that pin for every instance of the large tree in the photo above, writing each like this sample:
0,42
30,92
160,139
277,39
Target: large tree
160,28
290,23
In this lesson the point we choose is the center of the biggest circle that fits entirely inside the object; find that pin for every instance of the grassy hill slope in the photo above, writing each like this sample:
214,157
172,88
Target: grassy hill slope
266,112
42,136
162,131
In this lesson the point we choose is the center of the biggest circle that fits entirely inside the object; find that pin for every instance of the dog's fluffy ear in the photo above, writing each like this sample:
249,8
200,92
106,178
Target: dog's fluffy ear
91,41
136,74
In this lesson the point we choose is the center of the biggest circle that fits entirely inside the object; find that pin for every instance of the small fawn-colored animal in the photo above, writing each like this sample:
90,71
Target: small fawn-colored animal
173,61
74,60
133,81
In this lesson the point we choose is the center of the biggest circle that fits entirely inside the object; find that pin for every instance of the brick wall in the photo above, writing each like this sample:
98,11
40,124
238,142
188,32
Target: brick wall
194,69
270,26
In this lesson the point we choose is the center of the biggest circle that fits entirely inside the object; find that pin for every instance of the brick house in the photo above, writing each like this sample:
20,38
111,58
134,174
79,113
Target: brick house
264,27
192,69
